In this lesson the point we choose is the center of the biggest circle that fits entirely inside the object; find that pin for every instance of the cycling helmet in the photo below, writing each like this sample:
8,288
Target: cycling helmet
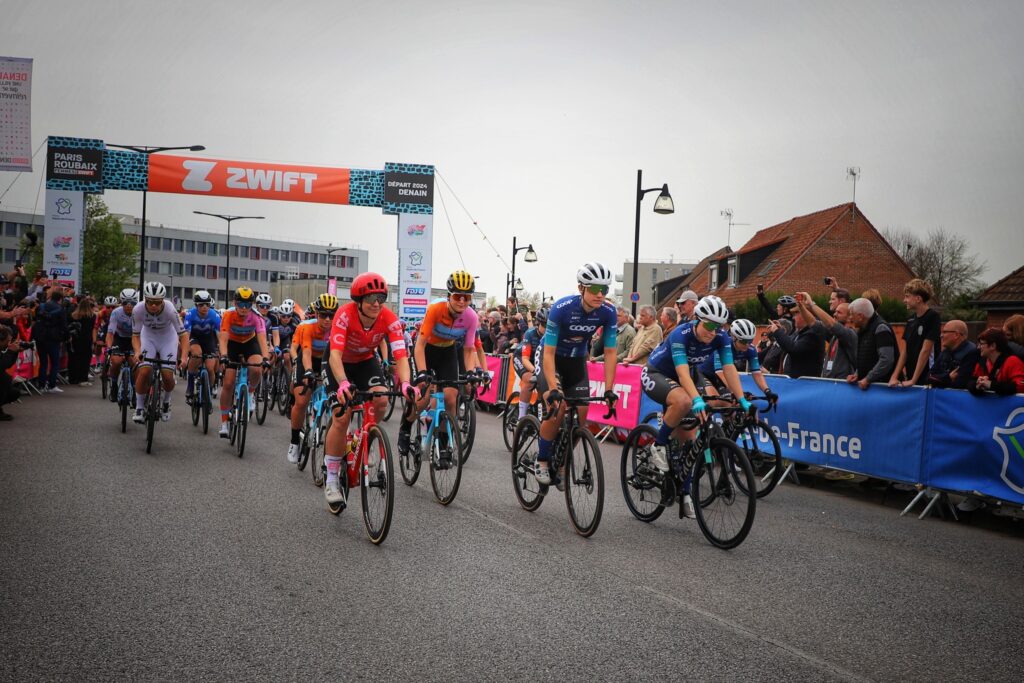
286,308
786,301
540,318
290,302
594,273
202,297
326,303
461,281
129,295
245,295
154,290
310,311
743,330
110,301
369,283
264,299
275,310
712,309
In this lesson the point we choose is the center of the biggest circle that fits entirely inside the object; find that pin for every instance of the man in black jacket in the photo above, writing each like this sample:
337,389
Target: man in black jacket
958,357
876,345
804,348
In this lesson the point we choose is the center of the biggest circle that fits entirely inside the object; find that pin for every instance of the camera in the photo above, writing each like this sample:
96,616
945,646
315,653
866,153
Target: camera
25,346
828,281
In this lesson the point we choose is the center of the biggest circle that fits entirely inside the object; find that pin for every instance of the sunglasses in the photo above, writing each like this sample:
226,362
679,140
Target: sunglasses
597,289
154,302
462,297
264,307
242,304
325,316
710,326
375,298
202,305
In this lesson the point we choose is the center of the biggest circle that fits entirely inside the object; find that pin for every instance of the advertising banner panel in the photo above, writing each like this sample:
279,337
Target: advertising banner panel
78,164
248,179
627,386
415,240
494,369
62,244
15,113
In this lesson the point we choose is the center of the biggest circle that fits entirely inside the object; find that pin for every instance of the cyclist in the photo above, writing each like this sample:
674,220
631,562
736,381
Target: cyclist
310,343
522,360
287,322
157,333
243,339
203,326
119,335
744,357
357,332
102,320
571,323
445,323
671,378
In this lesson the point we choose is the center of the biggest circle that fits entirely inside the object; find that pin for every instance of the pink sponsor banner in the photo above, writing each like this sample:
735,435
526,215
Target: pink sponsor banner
627,386
332,286
493,367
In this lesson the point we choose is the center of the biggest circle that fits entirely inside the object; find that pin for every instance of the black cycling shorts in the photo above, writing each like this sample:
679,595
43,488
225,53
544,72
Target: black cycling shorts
363,375
442,361
300,369
207,342
573,379
241,352
519,367
656,384
123,344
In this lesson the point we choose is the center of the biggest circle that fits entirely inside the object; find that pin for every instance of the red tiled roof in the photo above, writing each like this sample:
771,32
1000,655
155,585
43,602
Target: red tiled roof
699,271
1008,290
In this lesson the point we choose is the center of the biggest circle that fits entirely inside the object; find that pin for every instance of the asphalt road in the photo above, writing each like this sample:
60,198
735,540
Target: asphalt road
193,564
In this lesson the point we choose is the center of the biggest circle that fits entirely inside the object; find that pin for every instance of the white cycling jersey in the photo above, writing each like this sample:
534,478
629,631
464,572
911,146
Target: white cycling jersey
159,332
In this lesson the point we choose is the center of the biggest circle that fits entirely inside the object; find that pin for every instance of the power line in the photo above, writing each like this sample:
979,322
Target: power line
475,224
451,227
19,174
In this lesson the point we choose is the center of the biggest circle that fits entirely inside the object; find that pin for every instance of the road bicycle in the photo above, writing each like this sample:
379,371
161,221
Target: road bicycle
575,458
315,424
261,396
125,387
372,468
390,384
465,413
434,433
201,402
281,387
712,470
104,371
154,407
510,416
238,417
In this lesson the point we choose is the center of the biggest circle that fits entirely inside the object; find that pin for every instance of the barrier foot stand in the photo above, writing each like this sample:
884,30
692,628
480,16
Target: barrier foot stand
33,390
604,433
791,473
920,494
938,497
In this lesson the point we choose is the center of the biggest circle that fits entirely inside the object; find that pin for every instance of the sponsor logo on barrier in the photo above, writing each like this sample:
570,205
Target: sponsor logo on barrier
817,442
60,272
625,392
1011,440
62,257
416,291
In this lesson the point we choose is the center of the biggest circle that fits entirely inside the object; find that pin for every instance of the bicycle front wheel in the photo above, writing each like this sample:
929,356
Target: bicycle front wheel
410,461
466,412
262,399
317,451
197,403
725,510
377,485
509,420
764,452
207,404
242,422
152,410
446,459
639,477
525,447
584,482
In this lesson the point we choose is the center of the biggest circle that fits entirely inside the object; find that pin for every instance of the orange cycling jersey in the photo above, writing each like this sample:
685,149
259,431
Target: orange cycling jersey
441,328
358,343
308,335
241,328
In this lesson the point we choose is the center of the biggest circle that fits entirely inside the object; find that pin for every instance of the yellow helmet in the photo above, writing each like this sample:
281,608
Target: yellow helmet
245,295
461,281
326,303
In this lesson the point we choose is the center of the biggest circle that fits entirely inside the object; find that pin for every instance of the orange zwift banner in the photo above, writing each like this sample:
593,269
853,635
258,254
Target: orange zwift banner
252,180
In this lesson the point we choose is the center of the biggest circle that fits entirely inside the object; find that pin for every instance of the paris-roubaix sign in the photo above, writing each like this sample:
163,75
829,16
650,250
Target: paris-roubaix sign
400,189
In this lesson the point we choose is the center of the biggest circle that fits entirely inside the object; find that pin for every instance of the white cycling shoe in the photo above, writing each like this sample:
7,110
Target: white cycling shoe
659,457
293,453
225,430
138,418
334,494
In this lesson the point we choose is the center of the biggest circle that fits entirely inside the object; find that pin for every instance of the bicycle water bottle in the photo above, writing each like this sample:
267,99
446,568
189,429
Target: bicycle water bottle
425,421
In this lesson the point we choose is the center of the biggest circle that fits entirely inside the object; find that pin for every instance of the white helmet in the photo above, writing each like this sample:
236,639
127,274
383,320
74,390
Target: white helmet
110,301
202,297
154,290
594,273
743,330
290,302
264,299
129,295
275,310
286,308
712,309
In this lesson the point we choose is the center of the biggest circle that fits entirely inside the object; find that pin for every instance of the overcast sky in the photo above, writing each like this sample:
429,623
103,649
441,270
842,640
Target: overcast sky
539,114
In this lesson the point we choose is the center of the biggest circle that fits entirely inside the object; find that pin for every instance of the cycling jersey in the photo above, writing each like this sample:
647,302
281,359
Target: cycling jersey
308,335
570,328
358,343
198,326
242,328
441,328
120,323
531,340
745,361
166,322
682,347
285,331
102,319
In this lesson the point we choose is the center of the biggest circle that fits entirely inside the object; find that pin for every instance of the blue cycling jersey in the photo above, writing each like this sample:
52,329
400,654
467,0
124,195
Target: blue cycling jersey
682,347
531,339
198,326
745,361
570,328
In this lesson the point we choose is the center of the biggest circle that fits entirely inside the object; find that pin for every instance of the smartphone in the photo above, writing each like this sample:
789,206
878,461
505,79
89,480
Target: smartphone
828,281
760,289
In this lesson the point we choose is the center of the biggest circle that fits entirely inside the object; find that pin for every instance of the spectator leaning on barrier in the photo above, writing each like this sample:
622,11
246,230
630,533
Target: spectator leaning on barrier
668,319
685,304
626,332
10,347
841,339
803,349
648,336
998,371
876,345
920,337
1014,329
957,360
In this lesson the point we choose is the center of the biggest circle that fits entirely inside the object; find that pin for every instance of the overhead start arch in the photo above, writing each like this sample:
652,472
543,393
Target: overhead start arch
75,166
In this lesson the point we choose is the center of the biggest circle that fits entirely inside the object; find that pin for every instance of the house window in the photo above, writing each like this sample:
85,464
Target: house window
733,272
768,266
211,272
244,252
265,275
190,246
234,274
167,244
285,255
274,255
179,269
234,250
201,270
10,229
654,274
10,255
190,270
305,257
713,274
179,245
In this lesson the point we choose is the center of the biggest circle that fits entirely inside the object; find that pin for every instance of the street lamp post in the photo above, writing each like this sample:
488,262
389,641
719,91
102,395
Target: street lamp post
530,257
227,253
330,256
663,204
147,150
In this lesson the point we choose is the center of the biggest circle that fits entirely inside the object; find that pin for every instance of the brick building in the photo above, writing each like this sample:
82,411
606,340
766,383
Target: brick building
797,254
1003,299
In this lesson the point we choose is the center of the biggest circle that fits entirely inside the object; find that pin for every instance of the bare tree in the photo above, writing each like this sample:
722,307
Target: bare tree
942,258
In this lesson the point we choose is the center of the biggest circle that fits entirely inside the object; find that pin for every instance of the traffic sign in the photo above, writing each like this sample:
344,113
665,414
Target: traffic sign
634,297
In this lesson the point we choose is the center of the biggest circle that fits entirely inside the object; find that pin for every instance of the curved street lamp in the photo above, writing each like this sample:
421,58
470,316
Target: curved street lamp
227,253
663,205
